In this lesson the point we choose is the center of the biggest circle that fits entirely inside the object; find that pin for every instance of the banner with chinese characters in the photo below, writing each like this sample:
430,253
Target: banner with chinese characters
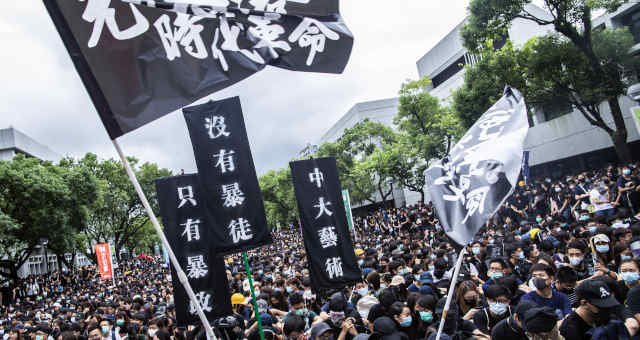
314,8
332,260
228,175
105,266
481,171
188,231
139,63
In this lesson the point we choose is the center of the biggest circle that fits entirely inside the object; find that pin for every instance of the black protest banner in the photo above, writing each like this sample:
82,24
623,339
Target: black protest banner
315,8
482,169
228,175
188,231
332,260
140,63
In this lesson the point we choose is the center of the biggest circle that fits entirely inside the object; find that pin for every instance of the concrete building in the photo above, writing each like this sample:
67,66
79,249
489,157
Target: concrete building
13,142
560,137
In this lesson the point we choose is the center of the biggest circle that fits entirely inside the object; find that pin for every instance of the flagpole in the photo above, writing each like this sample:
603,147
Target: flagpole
450,293
253,294
174,260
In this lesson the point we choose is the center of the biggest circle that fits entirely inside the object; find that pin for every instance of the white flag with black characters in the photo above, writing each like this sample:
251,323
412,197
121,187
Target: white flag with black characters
482,169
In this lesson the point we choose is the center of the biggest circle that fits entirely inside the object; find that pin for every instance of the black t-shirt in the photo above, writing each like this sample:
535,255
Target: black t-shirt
574,328
508,329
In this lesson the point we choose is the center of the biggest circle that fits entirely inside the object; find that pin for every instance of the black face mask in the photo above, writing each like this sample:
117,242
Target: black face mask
438,273
540,283
604,316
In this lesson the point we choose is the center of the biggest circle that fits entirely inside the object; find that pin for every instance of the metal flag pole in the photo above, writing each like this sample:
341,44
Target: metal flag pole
450,294
174,260
253,294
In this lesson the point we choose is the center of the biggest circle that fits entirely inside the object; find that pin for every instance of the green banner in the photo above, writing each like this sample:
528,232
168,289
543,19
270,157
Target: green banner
347,207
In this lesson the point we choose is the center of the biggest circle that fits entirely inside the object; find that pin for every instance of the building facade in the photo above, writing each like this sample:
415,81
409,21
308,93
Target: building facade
560,138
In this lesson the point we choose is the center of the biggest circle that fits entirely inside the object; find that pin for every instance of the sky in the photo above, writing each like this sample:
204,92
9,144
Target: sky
43,97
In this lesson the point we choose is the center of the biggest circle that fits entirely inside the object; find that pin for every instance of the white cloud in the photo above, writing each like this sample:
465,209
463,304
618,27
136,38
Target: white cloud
44,97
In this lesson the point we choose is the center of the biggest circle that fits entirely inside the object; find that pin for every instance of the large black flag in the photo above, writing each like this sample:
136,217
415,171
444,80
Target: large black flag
332,260
139,63
228,175
188,231
482,169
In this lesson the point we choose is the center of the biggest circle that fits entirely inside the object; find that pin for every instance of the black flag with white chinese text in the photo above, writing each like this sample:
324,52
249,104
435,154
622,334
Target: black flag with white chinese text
332,260
481,171
188,231
228,175
139,63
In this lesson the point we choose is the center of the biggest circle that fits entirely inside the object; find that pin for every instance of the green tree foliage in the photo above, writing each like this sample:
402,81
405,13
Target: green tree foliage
360,169
484,81
41,200
490,19
406,165
430,127
119,216
279,197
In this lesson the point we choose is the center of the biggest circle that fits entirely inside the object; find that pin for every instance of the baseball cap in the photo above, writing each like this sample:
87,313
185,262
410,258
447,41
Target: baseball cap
318,330
425,278
539,320
597,293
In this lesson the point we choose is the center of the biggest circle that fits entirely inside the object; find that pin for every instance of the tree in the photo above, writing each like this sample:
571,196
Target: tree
431,128
484,81
357,170
119,217
406,165
40,200
571,19
279,197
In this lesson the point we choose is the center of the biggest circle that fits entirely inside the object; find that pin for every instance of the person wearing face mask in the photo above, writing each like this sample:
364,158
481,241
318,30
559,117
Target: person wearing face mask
401,315
519,264
454,326
496,270
566,282
596,306
629,278
498,298
626,186
424,314
542,277
298,308
605,261
512,328
601,200
478,260
106,330
361,289
581,192
579,261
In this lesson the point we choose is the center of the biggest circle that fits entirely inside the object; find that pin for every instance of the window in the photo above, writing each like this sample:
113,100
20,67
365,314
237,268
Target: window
448,72
632,21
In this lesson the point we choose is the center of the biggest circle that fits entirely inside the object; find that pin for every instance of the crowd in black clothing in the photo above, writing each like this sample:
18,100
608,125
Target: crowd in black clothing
558,260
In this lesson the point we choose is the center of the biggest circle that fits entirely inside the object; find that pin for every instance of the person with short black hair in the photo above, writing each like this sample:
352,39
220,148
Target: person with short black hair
566,282
498,299
542,277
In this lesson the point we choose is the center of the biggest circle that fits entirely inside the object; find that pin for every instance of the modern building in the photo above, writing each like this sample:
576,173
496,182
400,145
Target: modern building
12,143
560,136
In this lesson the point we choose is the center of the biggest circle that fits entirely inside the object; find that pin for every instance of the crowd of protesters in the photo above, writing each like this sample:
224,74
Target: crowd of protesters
559,260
